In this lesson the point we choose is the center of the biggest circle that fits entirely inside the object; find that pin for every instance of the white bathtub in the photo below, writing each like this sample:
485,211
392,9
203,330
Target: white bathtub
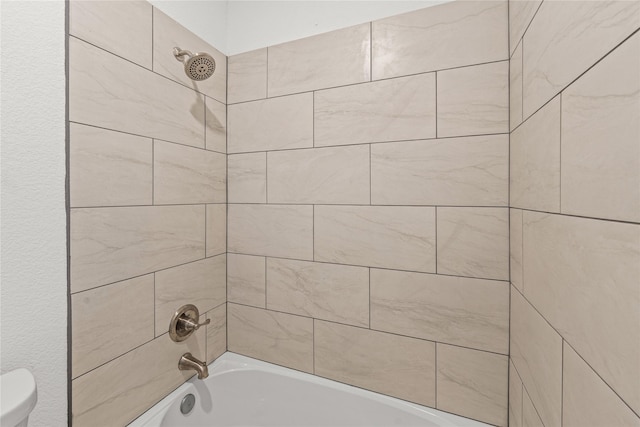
241,391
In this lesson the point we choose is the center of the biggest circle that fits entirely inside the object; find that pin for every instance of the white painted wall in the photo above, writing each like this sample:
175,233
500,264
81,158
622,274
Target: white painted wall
33,267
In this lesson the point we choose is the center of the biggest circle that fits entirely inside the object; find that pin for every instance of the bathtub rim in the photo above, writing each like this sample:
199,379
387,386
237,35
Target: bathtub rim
231,362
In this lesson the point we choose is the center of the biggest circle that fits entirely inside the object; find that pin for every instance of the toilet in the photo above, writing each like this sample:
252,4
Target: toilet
18,397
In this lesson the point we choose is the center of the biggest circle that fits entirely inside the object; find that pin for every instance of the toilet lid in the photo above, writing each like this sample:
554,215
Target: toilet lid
18,396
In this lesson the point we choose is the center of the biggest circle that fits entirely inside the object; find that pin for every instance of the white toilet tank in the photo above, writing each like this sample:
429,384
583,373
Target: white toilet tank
18,397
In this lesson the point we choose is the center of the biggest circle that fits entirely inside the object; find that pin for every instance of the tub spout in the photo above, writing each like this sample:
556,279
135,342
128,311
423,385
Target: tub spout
188,363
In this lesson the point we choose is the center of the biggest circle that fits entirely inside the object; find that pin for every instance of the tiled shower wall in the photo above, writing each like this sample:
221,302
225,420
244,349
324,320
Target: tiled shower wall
575,217
148,207
368,232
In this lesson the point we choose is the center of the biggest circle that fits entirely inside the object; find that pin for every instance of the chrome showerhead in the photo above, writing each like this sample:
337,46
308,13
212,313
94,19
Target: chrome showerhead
198,66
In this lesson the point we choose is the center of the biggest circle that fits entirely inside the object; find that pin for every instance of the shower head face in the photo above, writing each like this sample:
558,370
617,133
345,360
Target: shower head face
200,66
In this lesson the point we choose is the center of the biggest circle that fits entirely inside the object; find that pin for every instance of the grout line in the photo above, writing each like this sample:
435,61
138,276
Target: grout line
436,227
313,118
313,344
560,155
313,232
67,209
562,382
435,363
370,176
620,221
370,51
155,332
153,172
159,205
338,204
265,282
369,271
436,91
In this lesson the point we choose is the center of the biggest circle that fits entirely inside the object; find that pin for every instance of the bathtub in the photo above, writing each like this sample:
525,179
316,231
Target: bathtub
241,391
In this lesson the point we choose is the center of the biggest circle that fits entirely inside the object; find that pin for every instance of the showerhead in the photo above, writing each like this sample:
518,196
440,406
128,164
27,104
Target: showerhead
198,66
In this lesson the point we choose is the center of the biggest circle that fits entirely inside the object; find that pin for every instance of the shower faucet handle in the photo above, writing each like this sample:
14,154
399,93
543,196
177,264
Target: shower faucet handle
184,322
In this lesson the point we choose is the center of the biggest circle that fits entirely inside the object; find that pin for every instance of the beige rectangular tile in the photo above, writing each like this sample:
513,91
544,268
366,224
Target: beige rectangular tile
601,138
521,12
455,171
271,124
390,364
536,352
399,237
271,230
202,283
473,384
108,168
474,100
121,390
388,110
217,333
515,397
279,338
247,178
216,233
332,175
246,283
474,242
566,38
535,161
587,400
110,92
216,125
113,244
445,36
184,175
515,87
124,30
323,291
247,76
530,417
168,34
515,248
468,312
101,327
582,275
336,58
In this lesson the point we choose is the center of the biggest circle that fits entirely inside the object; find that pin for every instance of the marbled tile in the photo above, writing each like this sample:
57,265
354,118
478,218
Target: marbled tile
336,58
217,332
333,292
216,125
279,338
515,397
124,30
515,248
334,175
271,124
113,244
247,178
101,327
388,110
110,92
272,230
521,12
530,417
536,352
592,296
203,283
515,87
445,36
473,383
474,242
468,312
453,171
108,168
397,237
474,100
535,161
390,364
184,175
566,38
216,233
587,400
119,391
168,34
601,138
247,76
246,283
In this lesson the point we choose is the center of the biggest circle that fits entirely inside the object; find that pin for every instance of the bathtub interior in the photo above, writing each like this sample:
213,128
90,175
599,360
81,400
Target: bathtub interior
242,391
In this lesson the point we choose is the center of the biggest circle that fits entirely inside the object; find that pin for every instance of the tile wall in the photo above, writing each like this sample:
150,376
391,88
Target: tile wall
148,207
575,213
368,231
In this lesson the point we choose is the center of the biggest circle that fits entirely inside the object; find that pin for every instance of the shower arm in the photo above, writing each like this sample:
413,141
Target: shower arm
180,54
